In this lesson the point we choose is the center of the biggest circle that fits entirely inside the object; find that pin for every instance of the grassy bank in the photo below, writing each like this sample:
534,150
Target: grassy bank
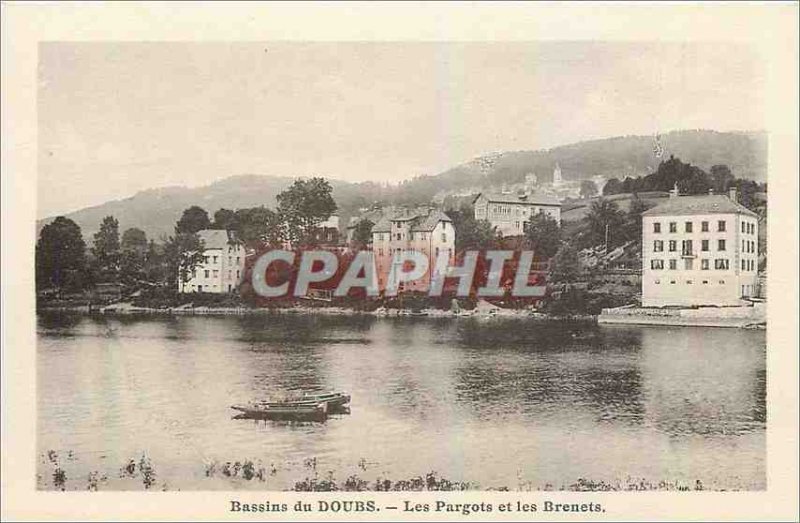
140,473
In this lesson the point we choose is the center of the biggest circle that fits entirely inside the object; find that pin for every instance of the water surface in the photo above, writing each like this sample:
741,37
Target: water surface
497,403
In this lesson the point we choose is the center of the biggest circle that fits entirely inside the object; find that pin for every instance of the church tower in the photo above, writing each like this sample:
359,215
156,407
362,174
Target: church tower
557,175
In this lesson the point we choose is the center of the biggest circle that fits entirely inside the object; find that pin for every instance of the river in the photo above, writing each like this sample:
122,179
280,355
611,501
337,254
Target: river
495,403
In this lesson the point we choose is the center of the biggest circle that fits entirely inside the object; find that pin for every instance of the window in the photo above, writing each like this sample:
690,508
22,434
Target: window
656,264
721,226
704,226
673,265
672,282
744,246
207,272
658,246
230,259
215,259
721,264
744,265
705,282
688,226
216,273
656,227
686,247
744,227
230,274
722,282
688,264
704,245
237,274
673,246
398,236
688,282
444,238
205,259
704,265
238,259
720,245
658,282
673,227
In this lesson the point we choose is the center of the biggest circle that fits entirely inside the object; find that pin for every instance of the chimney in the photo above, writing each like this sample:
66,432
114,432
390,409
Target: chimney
732,194
674,192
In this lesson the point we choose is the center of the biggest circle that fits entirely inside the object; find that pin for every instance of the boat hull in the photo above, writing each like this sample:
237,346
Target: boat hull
315,412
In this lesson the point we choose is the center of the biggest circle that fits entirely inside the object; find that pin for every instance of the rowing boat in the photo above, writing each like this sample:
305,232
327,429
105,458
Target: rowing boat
331,399
315,411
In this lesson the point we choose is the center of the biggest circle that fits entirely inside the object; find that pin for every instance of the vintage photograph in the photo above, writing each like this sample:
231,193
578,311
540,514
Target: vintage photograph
401,266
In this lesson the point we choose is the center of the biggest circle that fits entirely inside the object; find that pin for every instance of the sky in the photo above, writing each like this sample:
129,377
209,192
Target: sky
117,118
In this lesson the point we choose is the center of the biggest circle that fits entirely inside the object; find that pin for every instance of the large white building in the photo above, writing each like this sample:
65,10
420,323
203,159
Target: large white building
223,264
508,212
428,232
699,250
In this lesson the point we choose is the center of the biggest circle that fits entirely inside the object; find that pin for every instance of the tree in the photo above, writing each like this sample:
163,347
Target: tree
259,226
305,205
155,263
588,189
633,222
194,219
134,255
565,267
362,234
605,220
612,186
106,250
183,252
543,235
134,239
720,177
225,219
60,255
471,233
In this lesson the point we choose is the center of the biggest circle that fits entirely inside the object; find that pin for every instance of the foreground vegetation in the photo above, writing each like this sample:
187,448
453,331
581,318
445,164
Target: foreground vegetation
142,472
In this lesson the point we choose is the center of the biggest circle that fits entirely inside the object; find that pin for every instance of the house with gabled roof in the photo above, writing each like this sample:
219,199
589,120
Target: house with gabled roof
427,231
509,211
223,263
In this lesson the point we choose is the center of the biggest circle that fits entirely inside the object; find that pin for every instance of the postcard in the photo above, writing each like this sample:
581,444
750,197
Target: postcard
399,262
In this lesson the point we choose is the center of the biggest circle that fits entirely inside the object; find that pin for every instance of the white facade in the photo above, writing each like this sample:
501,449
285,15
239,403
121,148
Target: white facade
430,235
508,213
699,250
222,268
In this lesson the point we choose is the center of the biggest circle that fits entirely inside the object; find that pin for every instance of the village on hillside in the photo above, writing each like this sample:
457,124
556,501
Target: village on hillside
676,239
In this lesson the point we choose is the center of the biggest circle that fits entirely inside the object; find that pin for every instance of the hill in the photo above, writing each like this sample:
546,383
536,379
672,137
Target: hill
745,153
156,210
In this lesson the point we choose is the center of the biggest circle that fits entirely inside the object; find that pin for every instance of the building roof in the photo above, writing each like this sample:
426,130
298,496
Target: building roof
420,220
520,199
216,238
702,204
383,225
430,222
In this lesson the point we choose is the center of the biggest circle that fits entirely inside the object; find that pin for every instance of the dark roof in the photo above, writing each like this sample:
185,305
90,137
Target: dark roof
703,204
420,221
530,199
215,238
383,225
429,222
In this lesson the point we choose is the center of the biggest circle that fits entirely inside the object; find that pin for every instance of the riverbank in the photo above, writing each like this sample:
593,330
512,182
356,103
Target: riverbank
483,310
753,316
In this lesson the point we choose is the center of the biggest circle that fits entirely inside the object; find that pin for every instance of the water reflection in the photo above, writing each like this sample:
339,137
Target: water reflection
485,402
